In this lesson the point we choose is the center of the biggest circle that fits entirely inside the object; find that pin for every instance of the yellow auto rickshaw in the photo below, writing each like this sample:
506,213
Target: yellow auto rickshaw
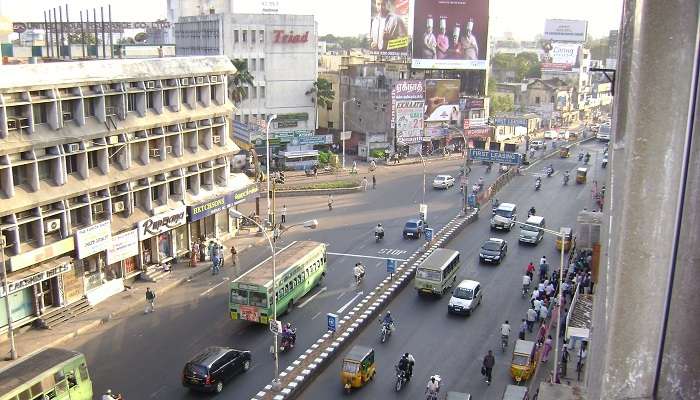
564,231
581,175
358,367
524,362
564,151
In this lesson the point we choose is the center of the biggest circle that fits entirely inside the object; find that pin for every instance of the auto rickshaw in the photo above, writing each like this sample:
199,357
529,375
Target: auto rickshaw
564,151
514,392
524,361
581,175
566,232
358,367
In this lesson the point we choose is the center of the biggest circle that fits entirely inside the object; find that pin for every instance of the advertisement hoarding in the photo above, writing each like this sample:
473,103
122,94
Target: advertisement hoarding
441,97
123,246
560,56
408,102
565,30
389,32
93,239
450,34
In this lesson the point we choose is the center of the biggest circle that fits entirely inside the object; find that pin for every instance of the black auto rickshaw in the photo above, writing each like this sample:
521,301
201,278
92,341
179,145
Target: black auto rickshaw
358,367
581,175
564,152
566,232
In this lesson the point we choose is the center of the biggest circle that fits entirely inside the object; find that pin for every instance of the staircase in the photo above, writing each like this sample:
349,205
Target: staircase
61,315
154,274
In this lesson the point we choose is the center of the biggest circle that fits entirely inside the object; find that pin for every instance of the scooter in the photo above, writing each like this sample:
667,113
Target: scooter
537,185
385,331
550,172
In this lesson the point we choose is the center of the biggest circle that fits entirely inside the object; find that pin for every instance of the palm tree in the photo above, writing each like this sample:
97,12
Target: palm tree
239,80
322,94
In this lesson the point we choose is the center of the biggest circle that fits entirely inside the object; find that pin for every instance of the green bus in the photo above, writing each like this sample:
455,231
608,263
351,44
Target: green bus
437,272
55,374
300,267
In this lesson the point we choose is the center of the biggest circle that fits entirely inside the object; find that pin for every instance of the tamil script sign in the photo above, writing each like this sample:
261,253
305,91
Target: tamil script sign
502,157
409,121
315,139
287,136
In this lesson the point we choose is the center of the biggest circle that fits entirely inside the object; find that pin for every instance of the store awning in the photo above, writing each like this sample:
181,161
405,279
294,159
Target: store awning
299,154
40,272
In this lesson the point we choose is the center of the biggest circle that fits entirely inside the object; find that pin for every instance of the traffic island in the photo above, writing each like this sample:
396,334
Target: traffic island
340,186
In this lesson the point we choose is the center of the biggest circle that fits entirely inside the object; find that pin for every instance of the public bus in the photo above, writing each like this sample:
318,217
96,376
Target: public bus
300,266
437,272
55,374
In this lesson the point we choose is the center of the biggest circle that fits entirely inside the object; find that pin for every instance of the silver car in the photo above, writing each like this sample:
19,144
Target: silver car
443,182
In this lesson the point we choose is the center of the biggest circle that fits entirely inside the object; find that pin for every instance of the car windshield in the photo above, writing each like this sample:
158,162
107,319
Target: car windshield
520,359
411,225
504,213
440,178
530,228
464,293
195,370
351,367
428,274
491,246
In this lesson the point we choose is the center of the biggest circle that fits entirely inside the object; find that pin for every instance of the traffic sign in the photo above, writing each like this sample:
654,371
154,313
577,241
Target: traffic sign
345,135
390,265
332,321
428,234
275,327
503,157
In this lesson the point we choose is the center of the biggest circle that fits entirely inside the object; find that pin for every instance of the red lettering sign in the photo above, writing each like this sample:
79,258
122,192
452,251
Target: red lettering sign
283,37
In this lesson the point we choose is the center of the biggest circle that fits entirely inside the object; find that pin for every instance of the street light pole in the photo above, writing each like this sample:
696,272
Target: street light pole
8,309
422,160
267,163
343,140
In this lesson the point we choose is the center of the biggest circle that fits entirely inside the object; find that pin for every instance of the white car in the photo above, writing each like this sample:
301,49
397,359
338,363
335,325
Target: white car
443,182
550,134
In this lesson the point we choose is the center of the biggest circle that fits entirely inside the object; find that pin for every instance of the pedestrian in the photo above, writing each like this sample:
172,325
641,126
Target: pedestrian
547,349
284,213
531,318
523,328
220,254
194,255
354,167
590,283
234,255
541,333
315,170
202,250
544,312
365,184
211,249
564,360
374,181
330,202
562,322
582,354
537,306
150,301
214,263
487,366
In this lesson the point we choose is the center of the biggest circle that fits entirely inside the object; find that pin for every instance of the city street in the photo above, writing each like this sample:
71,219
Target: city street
454,346
142,355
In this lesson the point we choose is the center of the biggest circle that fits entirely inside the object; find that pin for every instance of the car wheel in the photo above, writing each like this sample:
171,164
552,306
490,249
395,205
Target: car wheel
219,387
246,365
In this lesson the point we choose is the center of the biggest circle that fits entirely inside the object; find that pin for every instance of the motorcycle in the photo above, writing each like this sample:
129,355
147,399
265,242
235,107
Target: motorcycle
385,331
504,343
432,394
288,340
586,159
488,168
378,236
401,379
537,185
566,180
550,172
526,288
580,156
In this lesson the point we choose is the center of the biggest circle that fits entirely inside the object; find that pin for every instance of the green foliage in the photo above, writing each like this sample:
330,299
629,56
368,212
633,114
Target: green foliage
524,65
78,38
324,157
140,37
501,104
339,184
323,92
377,153
346,42
238,81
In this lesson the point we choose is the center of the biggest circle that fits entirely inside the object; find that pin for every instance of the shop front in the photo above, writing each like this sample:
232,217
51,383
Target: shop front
100,279
209,219
163,237
121,256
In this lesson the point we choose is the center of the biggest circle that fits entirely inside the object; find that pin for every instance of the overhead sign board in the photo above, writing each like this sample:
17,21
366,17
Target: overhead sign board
502,157
315,139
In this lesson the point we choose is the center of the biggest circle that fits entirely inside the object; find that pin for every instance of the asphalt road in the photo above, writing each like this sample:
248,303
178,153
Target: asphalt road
142,356
454,346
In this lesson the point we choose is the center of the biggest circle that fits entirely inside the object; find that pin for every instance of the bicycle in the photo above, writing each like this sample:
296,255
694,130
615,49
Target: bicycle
504,343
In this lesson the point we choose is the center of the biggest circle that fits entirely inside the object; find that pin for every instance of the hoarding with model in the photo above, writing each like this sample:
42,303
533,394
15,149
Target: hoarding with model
389,29
450,34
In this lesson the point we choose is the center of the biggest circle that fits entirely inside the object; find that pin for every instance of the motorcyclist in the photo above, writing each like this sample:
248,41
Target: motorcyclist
580,156
404,366
388,321
550,170
531,211
379,230
587,157
289,333
109,396
359,272
433,387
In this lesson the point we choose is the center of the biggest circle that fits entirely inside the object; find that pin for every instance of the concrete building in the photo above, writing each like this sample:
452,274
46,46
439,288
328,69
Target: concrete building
108,169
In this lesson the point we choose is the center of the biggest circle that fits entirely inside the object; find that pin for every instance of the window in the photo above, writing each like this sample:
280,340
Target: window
262,92
166,99
174,188
25,233
262,64
537,99
252,36
254,64
551,99
253,93
71,163
19,175
45,170
89,107
261,36
150,96
40,111
154,193
244,36
92,159
235,36
329,106
330,125
246,90
131,102
246,118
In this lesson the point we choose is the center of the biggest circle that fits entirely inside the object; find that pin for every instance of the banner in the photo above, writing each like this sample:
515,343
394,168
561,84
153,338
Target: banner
559,56
565,30
441,98
93,239
123,246
389,32
409,121
450,34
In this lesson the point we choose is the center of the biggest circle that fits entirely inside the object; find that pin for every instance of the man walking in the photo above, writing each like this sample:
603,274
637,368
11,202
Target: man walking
523,328
150,301
234,255
531,317
284,213
489,362
364,183
374,181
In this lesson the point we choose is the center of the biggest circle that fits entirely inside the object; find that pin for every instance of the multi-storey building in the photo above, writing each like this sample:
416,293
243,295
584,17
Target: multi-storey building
108,168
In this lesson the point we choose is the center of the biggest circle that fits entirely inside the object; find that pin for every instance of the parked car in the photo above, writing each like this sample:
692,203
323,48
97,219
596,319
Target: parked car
414,228
465,298
210,369
493,250
537,144
443,182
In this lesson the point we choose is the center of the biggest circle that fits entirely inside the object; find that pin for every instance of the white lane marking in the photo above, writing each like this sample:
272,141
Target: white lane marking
393,252
316,316
341,309
204,293
340,295
363,256
323,289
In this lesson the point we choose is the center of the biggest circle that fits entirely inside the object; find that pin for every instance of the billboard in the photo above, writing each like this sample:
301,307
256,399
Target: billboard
389,29
409,103
441,99
565,30
450,34
559,56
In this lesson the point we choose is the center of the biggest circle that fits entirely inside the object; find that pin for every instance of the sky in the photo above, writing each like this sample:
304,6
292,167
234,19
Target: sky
523,18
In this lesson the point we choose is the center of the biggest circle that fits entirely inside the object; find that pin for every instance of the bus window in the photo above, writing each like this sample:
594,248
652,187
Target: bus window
239,296
258,299
70,378
83,372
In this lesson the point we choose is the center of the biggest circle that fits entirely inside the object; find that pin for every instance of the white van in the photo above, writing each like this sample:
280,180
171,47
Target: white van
533,230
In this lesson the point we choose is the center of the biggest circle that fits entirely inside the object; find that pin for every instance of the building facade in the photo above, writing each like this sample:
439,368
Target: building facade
108,168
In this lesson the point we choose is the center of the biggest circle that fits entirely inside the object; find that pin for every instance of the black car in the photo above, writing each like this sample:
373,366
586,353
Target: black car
493,250
210,369
414,228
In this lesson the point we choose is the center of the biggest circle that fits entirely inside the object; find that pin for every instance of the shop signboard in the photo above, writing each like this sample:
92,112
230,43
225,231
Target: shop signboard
124,245
389,33
407,110
287,136
24,282
209,207
565,30
162,223
470,103
502,157
296,117
559,56
32,257
241,195
450,34
315,139
482,131
509,121
93,239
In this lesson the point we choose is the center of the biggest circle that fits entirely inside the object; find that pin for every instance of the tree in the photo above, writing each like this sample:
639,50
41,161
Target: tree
239,81
141,37
126,40
323,93
501,103
524,65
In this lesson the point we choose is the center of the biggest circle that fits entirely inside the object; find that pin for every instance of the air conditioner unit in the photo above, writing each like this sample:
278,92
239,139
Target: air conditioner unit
118,206
110,110
98,208
112,139
12,125
150,85
73,147
52,225
168,149
67,115
24,122
185,81
214,78
217,139
155,153
200,79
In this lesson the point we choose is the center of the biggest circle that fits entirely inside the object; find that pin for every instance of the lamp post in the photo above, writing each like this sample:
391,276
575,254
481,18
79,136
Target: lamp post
343,133
422,160
559,297
311,224
8,309
267,163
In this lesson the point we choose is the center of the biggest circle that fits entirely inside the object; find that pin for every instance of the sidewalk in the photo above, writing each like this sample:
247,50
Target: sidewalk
35,340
